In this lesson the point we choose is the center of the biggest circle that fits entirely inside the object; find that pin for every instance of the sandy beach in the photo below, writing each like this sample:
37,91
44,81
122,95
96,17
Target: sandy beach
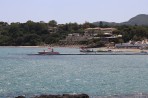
120,49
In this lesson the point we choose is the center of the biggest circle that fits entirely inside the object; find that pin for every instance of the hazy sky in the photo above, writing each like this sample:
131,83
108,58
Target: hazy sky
65,11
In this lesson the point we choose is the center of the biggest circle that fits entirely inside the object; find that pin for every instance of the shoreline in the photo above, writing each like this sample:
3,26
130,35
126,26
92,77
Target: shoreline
53,46
133,95
78,47
121,49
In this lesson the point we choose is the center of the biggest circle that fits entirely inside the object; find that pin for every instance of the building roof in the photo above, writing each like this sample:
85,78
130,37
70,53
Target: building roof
102,29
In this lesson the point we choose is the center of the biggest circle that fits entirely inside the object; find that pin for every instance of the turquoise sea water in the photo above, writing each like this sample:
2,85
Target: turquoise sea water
22,74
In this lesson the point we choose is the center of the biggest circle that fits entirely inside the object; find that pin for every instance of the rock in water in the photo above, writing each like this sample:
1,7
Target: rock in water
60,96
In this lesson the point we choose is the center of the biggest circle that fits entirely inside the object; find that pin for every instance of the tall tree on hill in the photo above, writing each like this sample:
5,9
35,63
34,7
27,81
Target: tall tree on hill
100,24
52,23
88,25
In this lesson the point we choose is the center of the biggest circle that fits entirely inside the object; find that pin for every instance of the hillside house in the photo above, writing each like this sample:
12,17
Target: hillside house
104,34
52,29
74,38
96,31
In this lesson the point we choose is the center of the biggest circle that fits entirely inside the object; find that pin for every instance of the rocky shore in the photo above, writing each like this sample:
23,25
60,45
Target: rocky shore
59,96
136,95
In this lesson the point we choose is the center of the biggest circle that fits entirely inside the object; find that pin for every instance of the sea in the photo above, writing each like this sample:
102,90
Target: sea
95,75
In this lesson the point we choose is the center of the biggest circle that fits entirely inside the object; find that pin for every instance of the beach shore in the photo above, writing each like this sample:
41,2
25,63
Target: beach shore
52,46
120,49
79,46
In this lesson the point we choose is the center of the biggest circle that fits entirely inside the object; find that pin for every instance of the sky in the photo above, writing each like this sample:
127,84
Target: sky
65,11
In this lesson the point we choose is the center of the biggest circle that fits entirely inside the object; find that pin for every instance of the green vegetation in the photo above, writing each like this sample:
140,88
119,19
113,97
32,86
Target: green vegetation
37,33
40,33
135,33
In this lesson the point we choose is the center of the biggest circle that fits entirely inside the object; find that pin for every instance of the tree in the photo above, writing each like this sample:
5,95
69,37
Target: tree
31,40
4,40
88,25
100,24
52,23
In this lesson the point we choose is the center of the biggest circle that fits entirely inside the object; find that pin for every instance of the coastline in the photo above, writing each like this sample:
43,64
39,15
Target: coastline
53,46
121,49
79,46
134,95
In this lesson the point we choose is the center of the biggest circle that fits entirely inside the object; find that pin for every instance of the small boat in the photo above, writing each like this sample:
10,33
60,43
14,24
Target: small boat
48,52
104,50
84,49
143,52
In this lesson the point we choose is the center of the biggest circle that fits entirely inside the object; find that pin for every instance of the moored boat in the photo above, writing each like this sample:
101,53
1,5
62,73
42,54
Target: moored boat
143,52
84,49
104,50
51,52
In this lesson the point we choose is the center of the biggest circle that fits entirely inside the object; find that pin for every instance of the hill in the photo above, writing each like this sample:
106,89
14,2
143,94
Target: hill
141,19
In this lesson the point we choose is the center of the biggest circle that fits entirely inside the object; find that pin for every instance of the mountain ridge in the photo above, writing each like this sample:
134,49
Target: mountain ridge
141,19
